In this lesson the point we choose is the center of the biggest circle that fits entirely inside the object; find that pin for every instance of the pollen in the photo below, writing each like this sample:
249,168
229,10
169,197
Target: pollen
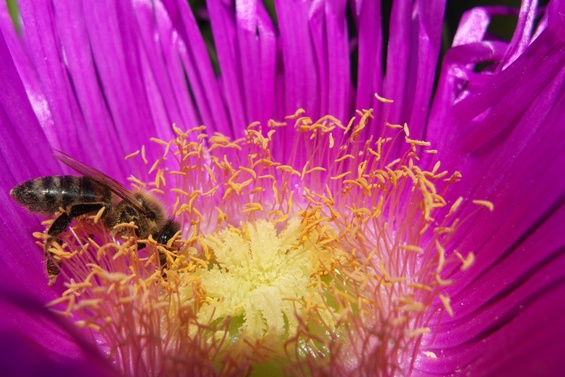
337,254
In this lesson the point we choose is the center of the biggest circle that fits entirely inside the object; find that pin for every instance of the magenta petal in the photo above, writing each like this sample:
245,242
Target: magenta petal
301,78
245,41
157,81
116,52
225,39
24,67
472,27
523,31
421,76
330,39
399,47
171,45
505,133
520,93
413,51
256,44
22,144
81,66
37,342
23,357
203,85
19,127
519,330
44,50
370,54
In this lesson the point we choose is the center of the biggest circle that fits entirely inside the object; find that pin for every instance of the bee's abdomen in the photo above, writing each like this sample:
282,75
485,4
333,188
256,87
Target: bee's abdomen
47,194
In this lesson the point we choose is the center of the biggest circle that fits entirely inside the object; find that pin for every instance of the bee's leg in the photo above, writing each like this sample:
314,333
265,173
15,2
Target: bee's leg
163,261
60,224
63,221
52,267
86,208
169,231
93,208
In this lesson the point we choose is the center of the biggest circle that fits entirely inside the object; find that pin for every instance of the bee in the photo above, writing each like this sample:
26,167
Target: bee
72,196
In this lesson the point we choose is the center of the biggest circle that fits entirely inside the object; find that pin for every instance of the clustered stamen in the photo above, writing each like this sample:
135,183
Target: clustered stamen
330,256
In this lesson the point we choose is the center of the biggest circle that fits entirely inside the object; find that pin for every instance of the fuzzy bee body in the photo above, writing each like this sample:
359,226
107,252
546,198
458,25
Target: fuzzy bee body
75,196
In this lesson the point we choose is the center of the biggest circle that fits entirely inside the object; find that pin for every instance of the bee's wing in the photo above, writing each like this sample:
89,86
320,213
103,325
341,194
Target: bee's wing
115,186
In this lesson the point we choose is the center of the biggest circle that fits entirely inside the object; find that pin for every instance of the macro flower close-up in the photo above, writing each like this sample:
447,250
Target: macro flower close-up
325,188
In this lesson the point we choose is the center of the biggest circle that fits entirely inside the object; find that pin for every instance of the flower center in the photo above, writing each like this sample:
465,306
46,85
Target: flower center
262,280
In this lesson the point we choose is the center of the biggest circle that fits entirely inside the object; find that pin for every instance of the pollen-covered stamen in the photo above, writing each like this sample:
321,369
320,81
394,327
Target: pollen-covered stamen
334,254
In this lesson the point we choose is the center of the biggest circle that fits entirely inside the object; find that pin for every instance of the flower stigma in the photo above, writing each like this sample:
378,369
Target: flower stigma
327,259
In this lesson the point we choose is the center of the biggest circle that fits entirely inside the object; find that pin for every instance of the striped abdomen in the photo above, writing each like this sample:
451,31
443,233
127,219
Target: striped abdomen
47,194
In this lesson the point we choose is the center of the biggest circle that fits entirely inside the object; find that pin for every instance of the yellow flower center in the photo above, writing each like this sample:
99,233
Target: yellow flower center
262,279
